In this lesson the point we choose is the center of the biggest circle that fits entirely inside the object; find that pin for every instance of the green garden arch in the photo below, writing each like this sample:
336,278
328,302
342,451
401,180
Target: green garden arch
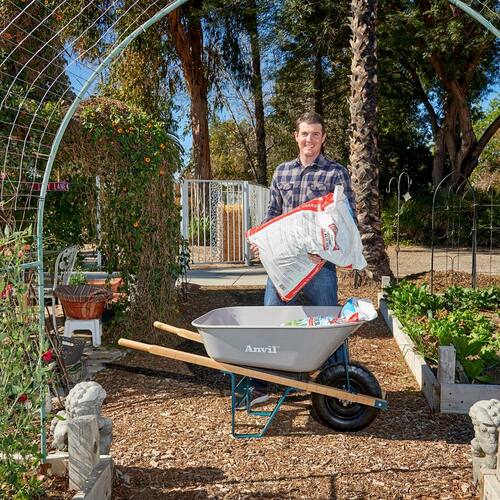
33,58
23,47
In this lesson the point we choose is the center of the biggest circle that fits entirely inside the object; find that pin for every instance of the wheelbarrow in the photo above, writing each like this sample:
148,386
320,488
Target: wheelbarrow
251,343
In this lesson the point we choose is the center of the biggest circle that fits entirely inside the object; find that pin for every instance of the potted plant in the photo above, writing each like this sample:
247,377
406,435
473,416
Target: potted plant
83,301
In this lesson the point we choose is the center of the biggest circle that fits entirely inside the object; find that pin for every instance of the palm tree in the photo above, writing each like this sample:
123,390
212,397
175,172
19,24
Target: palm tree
363,135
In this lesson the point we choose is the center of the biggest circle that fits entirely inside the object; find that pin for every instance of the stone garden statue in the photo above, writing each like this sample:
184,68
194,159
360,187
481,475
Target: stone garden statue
84,399
485,417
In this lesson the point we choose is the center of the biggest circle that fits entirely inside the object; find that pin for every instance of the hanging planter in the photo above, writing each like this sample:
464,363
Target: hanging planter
83,301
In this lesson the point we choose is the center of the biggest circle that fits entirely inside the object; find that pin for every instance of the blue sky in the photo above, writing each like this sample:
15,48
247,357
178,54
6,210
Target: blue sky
80,73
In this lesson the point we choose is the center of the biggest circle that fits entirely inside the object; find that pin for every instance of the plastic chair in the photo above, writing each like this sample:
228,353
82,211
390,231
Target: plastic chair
62,272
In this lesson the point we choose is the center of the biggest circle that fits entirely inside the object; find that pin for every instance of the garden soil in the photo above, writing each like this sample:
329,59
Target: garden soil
172,434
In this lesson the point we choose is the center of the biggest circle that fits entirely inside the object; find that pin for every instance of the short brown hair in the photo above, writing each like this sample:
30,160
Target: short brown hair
310,117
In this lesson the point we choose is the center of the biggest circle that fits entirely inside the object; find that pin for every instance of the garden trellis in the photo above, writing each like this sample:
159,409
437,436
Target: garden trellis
45,74
44,78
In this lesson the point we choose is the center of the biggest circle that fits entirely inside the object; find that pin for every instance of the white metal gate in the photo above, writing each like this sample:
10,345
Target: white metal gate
215,216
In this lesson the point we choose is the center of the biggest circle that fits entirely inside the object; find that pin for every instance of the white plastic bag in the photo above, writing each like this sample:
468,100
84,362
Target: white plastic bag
322,226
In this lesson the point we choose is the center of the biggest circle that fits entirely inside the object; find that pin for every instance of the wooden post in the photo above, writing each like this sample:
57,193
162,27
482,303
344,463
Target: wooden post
498,461
83,449
446,365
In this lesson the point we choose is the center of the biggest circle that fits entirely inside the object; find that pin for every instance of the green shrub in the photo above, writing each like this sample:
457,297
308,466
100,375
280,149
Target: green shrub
25,363
199,230
452,221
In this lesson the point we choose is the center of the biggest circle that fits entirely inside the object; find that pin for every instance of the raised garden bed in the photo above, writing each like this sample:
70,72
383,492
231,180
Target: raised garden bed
438,383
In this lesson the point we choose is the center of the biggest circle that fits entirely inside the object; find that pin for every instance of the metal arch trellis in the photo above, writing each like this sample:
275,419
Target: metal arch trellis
406,197
458,187
477,16
25,160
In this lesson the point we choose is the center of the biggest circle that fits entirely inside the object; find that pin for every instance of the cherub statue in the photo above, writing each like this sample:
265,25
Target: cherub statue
85,398
485,417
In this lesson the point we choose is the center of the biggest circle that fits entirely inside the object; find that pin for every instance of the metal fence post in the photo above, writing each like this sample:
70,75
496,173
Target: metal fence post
184,210
246,221
98,221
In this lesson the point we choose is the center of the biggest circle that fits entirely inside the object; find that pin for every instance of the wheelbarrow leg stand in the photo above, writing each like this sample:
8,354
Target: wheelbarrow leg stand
240,391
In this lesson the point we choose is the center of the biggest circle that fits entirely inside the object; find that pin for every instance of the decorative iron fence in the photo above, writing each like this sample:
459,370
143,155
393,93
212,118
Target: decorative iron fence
458,224
216,215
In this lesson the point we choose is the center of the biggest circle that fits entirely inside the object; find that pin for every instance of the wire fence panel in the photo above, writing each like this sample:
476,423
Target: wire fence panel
216,215
459,229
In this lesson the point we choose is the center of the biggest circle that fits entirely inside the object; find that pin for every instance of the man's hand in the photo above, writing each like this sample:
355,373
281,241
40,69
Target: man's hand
255,250
315,258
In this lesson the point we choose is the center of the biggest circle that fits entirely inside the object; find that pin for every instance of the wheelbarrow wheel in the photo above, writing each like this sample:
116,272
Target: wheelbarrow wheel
343,415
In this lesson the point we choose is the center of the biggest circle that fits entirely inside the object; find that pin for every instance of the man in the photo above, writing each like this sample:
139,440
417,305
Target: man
309,176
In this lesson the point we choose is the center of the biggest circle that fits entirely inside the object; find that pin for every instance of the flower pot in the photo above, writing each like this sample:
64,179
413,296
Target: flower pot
83,301
113,283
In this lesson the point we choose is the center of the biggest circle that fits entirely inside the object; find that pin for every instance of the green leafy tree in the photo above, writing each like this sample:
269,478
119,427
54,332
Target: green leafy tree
230,145
486,173
449,59
313,74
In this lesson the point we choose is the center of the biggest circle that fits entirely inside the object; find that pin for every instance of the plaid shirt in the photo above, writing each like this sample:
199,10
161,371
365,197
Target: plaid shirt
294,184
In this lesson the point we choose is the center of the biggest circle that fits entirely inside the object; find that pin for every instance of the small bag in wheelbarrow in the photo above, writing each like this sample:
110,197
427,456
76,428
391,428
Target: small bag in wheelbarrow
83,301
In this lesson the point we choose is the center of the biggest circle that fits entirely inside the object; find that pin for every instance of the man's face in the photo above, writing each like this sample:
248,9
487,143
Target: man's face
310,138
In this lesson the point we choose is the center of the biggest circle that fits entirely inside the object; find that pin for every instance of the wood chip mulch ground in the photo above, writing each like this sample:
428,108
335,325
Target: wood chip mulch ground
172,435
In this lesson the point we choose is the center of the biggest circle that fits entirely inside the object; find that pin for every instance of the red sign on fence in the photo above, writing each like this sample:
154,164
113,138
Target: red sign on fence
52,186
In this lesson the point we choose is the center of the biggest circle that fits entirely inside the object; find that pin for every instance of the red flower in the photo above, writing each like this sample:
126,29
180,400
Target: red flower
22,398
7,291
48,357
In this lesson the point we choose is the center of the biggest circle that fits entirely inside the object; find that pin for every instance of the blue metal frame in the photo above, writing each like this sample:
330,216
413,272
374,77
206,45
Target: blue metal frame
241,391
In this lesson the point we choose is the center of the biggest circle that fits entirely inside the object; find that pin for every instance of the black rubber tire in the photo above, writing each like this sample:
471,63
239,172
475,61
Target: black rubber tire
341,415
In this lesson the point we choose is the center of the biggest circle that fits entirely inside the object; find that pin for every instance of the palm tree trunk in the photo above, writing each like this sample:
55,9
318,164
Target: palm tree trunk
363,135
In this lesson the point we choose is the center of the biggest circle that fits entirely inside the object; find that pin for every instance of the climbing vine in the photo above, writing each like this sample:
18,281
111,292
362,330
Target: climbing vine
25,365
136,159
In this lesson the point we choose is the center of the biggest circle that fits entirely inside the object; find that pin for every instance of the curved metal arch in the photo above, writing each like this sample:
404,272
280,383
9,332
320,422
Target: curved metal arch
65,122
465,182
53,152
478,17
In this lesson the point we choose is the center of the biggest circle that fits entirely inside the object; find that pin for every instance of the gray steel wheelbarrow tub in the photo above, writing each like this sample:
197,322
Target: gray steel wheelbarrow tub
252,343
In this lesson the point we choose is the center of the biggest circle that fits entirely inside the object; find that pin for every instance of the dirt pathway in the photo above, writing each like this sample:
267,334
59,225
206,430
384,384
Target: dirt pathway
172,436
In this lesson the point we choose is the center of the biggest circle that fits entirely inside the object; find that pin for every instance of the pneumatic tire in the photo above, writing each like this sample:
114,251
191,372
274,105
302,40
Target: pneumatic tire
342,415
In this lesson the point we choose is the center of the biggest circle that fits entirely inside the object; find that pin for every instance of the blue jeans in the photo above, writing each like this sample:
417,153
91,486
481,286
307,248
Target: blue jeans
320,291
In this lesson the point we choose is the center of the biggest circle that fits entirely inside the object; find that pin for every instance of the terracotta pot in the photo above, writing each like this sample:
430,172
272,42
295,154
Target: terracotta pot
114,283
83,310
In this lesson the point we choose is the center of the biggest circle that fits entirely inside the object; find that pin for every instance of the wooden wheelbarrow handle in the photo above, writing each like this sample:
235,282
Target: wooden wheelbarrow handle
257,373
181,332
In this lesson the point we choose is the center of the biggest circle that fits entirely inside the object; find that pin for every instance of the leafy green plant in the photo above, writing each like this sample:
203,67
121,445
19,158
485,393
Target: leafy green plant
77,277
451,319
25,362
472,298
199,230
406,298
137,160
